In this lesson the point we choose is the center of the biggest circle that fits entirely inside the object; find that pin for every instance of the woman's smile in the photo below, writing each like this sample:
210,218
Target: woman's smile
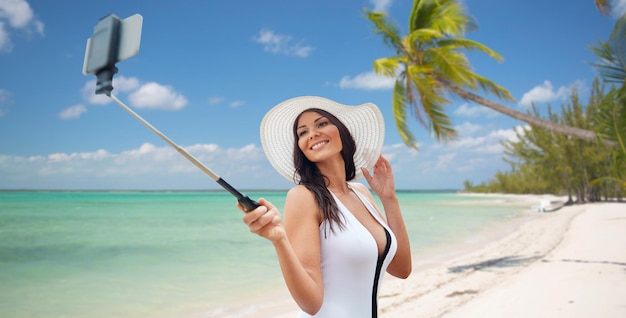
319,144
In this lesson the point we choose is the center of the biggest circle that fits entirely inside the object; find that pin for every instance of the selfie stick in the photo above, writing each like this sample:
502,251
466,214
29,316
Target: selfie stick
244,200
115,40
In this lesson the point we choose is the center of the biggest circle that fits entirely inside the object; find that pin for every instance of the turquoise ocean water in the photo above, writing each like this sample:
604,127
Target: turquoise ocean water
162,254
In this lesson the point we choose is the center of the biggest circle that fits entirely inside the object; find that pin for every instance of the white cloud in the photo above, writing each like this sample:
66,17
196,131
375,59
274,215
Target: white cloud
475,111
504,134
156,96
236,103
73,112
447,165
19,16
215,100
5,96
17,12
468,128
488,143
543,93
125,84
282,44
149,95
368,81
443,161
146,167
380,5
546,93
63,157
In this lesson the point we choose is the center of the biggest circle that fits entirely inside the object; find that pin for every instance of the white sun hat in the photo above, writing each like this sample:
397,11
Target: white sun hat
365,122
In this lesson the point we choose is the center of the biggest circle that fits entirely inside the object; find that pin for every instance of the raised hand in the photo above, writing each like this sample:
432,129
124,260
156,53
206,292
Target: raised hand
381,182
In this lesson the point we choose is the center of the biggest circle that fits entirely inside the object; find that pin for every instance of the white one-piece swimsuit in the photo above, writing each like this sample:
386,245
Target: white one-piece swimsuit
351,267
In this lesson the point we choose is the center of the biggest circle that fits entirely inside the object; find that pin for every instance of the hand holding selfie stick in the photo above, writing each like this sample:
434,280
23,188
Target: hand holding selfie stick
115,40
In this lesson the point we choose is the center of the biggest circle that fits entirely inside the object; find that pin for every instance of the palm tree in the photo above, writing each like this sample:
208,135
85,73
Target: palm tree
429,65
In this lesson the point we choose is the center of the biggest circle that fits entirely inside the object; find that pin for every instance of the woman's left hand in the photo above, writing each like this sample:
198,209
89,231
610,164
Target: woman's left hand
381,182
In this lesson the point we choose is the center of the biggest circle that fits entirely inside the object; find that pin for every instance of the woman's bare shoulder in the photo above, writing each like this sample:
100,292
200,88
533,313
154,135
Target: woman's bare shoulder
299,191
301,202
301,197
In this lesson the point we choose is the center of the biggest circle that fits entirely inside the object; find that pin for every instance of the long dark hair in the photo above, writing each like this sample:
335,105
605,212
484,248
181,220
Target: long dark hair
311,177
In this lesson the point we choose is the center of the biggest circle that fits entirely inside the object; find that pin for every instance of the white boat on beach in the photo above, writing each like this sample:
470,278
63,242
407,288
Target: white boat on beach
548,205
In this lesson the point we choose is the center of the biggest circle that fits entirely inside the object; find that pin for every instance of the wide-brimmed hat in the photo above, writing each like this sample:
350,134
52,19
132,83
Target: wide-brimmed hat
365,122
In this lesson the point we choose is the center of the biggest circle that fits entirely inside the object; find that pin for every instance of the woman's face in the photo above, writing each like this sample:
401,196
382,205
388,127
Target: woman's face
318,138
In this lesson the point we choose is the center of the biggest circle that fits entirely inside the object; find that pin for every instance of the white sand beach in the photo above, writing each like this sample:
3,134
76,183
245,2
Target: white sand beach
568,263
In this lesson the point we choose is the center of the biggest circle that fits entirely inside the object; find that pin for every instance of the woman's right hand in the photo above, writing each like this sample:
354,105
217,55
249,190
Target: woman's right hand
264,221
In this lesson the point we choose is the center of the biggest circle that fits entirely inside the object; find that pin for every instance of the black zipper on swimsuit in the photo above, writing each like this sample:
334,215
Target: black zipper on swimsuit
379,265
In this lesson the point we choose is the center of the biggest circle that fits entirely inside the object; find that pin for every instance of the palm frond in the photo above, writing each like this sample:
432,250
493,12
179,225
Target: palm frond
617,40
388,66
424,36
398,107
452,19
452,65
446,16
611,68
456,69
470,45
611,119
431,100
440,123
493,88
421,14
386,28
423,79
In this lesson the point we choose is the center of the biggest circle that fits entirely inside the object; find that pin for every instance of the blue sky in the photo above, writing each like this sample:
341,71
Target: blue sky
207,71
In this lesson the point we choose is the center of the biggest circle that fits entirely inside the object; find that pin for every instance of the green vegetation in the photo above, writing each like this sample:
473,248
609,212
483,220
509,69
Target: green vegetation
543,162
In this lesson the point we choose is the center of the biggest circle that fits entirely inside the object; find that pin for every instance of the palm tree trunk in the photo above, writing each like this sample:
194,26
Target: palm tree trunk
532,120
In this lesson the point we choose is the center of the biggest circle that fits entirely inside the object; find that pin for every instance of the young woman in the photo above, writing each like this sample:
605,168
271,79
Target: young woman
334,245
